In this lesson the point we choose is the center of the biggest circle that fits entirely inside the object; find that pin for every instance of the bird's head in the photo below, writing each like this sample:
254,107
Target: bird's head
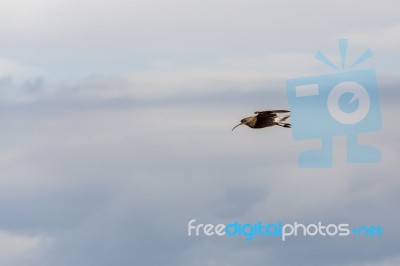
249,121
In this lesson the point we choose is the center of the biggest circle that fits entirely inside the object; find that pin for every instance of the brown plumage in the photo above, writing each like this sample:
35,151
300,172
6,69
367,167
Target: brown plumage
266,119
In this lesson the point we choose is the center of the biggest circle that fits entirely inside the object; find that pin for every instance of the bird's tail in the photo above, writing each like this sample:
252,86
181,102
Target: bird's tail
285,125
281,119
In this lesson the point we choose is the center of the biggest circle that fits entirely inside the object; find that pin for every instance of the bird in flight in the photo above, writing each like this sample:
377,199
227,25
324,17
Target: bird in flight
266,119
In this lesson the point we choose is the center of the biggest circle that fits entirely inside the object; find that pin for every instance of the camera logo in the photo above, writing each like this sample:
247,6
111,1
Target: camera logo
342,103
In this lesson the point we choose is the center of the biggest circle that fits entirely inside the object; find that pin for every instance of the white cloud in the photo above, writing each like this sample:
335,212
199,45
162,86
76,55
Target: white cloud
394,261
379,38
240,73
88,36
17,249
158,162
19,82
114,163
164,79
18,72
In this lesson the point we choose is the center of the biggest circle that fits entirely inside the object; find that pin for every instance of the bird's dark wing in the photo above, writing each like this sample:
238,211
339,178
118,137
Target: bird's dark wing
266,115
272,111
280,111
265,119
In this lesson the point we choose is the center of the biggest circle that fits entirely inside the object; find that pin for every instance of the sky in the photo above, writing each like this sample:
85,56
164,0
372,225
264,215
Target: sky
116,121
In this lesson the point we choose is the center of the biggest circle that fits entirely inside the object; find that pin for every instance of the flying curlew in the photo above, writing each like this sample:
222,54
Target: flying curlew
265,119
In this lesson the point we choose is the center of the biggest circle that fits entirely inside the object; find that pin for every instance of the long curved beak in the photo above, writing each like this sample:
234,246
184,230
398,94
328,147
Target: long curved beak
237,126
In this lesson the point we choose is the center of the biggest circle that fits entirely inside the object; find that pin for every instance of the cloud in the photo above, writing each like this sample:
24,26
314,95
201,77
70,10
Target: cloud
18,72
18,82
17,249
241,73
382,38
385,262
78,38
116,131
163,80
111,180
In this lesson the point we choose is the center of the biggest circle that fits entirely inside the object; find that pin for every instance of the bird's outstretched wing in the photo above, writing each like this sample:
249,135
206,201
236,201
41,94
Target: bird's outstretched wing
272,111
265,116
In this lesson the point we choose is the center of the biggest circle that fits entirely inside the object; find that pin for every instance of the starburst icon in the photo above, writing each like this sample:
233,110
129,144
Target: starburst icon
343,43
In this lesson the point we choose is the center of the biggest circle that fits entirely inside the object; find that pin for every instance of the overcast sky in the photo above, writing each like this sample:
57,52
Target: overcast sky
116,122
